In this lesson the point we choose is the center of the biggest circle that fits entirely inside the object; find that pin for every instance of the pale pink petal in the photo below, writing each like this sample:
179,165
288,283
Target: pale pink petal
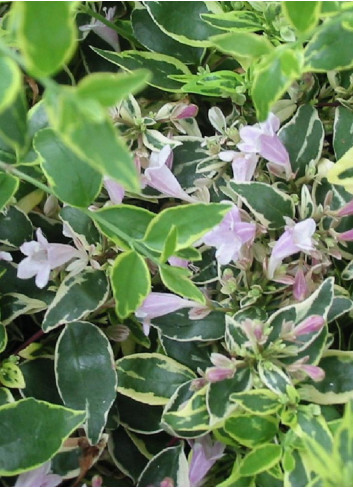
4,255
41,238
272,149
30,247
158,304
204,455
271,125
300,287
302,234
184,111
163,180
28,269
228,155
178,262
311,324
314,372
42,277
39,477
346,236
347,210
58,254
244,167
115,191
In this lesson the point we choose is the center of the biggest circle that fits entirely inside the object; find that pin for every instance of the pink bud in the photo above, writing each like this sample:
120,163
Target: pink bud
346,236
216,374
300,288
315,373
175,261
310,325
97,481
185,111
167,482
346,210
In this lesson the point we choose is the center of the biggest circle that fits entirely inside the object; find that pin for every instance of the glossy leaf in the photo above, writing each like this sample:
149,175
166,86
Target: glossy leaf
342,172
272,77
177,280
15,227
117,221
303,16
191,221
46,35
234,20
28,423
258,401
85,374
11,375
303,137
131,282
154,39
160,66
251,431
76,297
3,338
188,28
329,47
342,131
260,459
179,326
151,378
72,179
111,88
267,203
242,44
125,454
13,107
8,187
170,463
40,382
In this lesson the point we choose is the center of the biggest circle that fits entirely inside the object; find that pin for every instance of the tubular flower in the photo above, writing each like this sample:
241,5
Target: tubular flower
204,455
243,165
296,238
39,477
230,236
42,257
262,138
159,304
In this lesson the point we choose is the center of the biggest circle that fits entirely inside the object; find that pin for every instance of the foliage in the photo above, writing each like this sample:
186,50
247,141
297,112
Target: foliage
175,243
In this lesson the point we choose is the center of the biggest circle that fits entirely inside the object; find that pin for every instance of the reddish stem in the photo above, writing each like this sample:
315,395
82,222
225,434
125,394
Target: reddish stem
30,340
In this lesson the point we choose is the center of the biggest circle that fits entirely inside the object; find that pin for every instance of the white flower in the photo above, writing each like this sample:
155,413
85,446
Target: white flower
42,257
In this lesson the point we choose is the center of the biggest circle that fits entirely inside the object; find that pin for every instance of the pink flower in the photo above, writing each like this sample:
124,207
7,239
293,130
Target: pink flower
314,372
224,368
296,238
229,237
261,138
346,236
346,210
159,304
159,176
4,255
175,261
42,257
243,165
39,477
108,34
310,325
204,455
115,191
184,111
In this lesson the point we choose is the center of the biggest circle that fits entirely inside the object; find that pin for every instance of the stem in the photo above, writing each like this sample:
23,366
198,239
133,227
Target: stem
30,340
23,176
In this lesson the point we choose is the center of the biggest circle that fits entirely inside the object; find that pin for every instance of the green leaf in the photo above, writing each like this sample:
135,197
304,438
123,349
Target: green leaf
186,415
176,279
5,396
342,131
170,244
72,179
139,417
160,65
304,16
8,188
273,76
30,423
151,378
267,203
219,401
81,224
46,34
85,374
13,106
150,35
3,338
329,48
221,83
191,221
118,220
258,401
170,463
11,375
40,380
342,172
251,431
179,326
303,137
15,227
87,130
188,28
242,44
131,282
337,386
235,20
260,459
111,88
126,456
76,297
